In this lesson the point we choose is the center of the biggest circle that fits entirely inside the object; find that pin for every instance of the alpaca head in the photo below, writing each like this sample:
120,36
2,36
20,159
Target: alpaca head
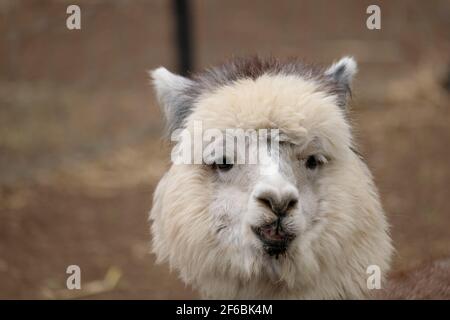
270,198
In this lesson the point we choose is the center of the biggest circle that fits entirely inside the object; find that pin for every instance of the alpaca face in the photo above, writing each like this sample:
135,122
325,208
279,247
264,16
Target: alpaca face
264,212
267,206
281,224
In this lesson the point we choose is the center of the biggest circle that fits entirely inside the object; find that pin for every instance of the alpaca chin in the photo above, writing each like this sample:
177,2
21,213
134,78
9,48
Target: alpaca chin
307,228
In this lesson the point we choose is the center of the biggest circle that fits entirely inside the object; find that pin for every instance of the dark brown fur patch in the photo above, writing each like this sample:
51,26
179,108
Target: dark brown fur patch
428,281
252,68
255,66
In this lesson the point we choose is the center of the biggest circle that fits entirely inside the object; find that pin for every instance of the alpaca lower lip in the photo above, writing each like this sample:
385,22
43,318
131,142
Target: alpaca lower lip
274,238
275,250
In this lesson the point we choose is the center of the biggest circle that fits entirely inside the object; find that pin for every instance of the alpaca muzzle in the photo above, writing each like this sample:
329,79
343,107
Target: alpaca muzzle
274,238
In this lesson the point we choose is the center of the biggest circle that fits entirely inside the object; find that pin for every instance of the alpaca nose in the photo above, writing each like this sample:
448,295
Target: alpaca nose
280,204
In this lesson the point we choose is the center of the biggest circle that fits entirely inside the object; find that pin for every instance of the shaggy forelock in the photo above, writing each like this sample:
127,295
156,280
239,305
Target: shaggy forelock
254,67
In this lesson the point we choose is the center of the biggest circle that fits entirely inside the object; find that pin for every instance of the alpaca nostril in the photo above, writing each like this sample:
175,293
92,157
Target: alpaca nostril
279,207
285,205
265,201
291,203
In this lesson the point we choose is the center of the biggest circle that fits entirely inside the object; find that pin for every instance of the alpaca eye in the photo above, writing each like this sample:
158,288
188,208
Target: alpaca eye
312,162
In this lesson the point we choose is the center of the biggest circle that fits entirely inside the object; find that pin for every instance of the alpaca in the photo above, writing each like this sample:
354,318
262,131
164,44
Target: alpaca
306,223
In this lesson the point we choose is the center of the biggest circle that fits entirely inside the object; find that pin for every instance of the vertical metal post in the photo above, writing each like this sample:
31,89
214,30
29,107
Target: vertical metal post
183,35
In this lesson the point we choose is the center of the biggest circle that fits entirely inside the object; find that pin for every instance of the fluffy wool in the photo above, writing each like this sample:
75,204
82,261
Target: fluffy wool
202,219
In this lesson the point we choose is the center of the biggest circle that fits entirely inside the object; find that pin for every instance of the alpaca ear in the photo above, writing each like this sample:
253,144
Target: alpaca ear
341,75
171,91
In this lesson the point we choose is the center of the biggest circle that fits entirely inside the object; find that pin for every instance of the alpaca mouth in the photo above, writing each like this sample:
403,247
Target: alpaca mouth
274,238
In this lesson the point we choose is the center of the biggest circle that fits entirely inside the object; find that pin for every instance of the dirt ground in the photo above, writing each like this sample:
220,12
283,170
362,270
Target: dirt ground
80,146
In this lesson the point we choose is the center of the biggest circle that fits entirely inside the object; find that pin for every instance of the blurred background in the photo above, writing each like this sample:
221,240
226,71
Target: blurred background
80,146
